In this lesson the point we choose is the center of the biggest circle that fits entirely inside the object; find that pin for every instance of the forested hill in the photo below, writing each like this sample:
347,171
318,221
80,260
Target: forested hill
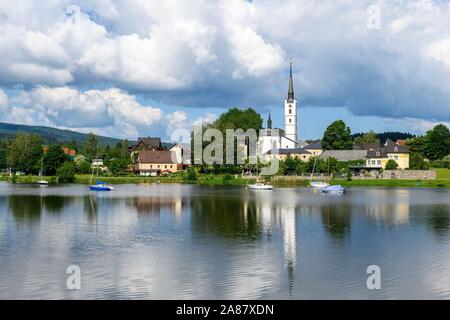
395,135
51,135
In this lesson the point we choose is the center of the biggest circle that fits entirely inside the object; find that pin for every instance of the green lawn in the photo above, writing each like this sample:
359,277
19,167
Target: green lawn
442,173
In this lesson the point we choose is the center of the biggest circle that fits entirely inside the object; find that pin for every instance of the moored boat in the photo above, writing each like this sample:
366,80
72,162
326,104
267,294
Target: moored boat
335,189
101,186
43,183
318,184
260,186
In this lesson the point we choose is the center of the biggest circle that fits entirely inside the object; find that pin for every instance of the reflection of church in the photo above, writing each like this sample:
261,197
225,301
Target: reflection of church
284,216
271,139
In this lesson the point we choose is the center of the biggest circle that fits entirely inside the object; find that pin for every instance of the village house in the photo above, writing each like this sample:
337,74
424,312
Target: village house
377,158
146,143
71,153
156,162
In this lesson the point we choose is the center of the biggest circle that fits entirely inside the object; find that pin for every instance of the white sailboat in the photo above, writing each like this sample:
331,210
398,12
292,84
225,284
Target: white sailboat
42,182
317,184
260,185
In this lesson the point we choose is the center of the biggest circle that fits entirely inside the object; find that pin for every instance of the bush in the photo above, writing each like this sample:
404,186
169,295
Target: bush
417,162
227,177
391,165
66,172
191,174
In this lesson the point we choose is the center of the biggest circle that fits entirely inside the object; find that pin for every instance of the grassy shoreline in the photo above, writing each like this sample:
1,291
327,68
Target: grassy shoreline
231,180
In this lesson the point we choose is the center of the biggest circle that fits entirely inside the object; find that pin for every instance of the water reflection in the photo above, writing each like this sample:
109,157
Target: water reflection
225,215
182,241
337,220
439,218
31,207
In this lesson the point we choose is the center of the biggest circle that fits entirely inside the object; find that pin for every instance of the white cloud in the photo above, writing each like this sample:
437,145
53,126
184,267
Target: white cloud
3,101
203,53
440,51
113,111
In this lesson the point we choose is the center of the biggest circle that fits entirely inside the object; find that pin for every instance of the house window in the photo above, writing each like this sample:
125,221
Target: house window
158,166
290,111
165,167
368,162
395,148
395,157
378,153
290,120
373,162
379,162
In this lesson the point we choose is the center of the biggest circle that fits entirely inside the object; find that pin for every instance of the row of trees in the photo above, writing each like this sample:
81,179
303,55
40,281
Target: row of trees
26,154
433,146
294,165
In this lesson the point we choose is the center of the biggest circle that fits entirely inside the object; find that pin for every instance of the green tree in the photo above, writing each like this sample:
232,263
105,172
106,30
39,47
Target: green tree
53,159
417,162
416,144
66,172
118,166
337,136
83,167
369,137
437,143
3,159
79,158
25,153
90,147
391,165
239,119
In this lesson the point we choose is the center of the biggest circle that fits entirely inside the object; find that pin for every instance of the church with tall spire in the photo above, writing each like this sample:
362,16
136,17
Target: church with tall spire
290,110
277,140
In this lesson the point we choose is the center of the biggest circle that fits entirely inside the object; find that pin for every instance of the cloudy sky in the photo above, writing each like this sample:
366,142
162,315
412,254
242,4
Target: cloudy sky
126,68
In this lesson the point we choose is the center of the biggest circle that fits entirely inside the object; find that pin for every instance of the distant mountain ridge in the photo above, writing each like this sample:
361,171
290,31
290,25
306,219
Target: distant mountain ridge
52,135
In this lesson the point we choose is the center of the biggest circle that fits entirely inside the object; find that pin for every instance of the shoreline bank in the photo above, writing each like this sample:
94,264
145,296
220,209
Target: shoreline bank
231,180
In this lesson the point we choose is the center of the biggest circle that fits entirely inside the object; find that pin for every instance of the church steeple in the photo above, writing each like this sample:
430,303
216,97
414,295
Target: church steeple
290,110
269,122
290,97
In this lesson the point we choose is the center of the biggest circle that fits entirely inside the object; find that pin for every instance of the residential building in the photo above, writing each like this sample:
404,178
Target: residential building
156,162
146,143
378,158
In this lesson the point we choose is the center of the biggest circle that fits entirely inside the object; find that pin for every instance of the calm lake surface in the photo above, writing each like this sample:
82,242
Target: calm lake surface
186,241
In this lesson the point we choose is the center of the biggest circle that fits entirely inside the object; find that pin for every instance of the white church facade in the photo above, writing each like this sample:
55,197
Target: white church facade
282,141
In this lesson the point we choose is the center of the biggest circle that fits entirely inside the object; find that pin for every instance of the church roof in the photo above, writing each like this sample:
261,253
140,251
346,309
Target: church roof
290,97
289,151
344,155
316,145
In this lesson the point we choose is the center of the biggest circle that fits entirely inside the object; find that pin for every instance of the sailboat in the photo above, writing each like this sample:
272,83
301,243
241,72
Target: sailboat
42,182
317,184
99,185
259,185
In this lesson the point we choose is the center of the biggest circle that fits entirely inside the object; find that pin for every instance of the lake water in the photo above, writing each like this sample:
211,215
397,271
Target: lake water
186,241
